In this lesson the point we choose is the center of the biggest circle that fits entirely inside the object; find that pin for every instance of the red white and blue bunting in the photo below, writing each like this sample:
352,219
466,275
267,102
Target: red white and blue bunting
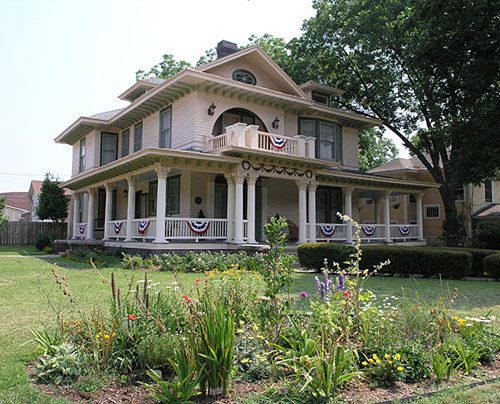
277,142
198,227
369,230
404,230
117,227
143,225
328,231
81,228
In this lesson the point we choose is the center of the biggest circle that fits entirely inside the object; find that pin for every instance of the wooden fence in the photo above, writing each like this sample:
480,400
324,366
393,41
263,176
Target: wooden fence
18,233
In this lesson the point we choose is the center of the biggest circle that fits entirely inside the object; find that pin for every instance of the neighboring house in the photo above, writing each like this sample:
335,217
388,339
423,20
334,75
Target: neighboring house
222,148
33,194
477,203
16,206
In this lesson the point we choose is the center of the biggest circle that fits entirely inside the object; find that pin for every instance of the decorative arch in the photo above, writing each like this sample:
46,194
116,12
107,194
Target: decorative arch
234,115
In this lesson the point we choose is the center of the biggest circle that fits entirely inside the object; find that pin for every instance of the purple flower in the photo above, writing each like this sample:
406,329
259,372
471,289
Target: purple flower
318,284
303,295
341,282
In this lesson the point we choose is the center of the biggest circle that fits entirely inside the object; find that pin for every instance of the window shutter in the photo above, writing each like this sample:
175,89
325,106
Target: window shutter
339,144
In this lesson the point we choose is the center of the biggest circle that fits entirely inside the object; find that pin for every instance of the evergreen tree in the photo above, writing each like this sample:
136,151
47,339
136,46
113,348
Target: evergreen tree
2,207
52,202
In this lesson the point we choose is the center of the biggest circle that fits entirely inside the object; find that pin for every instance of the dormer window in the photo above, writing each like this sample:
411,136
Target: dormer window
244,76
321,98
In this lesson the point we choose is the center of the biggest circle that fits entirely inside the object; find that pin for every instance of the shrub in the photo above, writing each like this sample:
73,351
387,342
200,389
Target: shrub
155,352
43,240
85,254
491,265
448,263
478,255
60,368
488,236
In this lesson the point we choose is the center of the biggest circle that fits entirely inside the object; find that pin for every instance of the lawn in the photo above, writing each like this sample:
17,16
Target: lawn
19,250
30,298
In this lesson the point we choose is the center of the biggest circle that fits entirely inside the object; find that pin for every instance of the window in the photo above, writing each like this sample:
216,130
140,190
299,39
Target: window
368,201
432,211
488,191
81,163
244,76
152,198
109,147
321,98
393,199
459,194
166,128
125,142
173,194
328,137
412,199
328,203
138,137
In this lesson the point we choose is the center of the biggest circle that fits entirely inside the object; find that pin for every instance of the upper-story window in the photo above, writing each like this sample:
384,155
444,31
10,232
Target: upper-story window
244,76
488,191
125,142
328,137
109,147
321,98
460,193
138,137
81,160
166,128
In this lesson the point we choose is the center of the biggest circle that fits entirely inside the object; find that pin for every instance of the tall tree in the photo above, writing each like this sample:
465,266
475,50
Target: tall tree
426,66
52,202
164,69
2,207
374,149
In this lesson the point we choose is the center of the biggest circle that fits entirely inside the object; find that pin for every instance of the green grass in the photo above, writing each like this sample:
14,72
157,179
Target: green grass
485,394
19,250
30,298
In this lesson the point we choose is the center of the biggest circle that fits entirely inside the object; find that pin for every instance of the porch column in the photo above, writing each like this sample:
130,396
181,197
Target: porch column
405,208
387,217
302,186
90,219
251,180
76,215
230,207
238,207
109,187
132,182
210,195
420,220
348,211
312,211
376,208
161,197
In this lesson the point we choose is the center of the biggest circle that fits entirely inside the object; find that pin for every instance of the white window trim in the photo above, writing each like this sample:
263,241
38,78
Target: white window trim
463,194
432,205
368,202
492,192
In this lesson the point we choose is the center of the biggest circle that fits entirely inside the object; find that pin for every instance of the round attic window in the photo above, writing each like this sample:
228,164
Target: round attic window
244,76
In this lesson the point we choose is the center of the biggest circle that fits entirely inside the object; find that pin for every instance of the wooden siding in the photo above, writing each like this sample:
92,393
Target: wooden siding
22,233
350,148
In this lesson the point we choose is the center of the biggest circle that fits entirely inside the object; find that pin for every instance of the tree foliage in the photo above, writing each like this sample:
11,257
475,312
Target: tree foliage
2,207
374,149
164,69
52,202
421,66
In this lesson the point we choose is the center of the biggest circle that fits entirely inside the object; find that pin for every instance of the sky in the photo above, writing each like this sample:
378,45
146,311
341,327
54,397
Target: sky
62,59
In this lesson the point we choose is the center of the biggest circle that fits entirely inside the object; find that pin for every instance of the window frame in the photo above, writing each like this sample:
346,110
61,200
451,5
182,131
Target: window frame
162,142
247,73
430,206
152,197
138,136
170,181
82,155
459,198
321,95
125,151
338,136
115,137
490,191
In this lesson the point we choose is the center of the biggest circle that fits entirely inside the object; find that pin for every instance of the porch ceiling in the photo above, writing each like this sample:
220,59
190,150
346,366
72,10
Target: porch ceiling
146,160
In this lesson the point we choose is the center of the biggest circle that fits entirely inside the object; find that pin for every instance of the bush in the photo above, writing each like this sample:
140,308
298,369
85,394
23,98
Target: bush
43,240
491,265
488,236
478,255
98,257
403,260
154,352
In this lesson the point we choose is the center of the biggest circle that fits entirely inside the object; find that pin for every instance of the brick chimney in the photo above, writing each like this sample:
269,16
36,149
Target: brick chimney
225,48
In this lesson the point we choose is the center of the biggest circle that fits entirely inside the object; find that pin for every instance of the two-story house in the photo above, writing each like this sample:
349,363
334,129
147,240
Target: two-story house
215,151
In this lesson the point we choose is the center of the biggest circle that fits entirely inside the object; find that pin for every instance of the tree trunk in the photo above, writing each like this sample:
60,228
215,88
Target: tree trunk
454,231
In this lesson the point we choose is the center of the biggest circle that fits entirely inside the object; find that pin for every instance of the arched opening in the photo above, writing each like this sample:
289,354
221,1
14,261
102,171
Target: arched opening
235,115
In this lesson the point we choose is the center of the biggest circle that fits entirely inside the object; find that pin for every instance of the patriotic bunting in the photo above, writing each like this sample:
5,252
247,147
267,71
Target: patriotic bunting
277,142
198,227
328,231
404,230
369,230
81,228
118,227
143,225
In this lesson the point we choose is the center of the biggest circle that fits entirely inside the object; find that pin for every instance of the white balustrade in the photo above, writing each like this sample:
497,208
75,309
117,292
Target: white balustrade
194,228
331,232
404,232
217,142
142,229
117,229
277,143
81,230
372,232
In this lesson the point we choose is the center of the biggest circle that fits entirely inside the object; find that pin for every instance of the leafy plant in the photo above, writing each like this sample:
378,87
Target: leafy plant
48,343
442,365
43,240
466,358
385,370
156,352
62,367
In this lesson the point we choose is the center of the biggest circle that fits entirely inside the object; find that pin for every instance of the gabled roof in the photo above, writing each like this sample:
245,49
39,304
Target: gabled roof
36,188
321,88
17,200
140,88
488,211
400,164
257,55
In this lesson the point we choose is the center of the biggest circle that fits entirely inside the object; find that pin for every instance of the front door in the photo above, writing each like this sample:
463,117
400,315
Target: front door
328,203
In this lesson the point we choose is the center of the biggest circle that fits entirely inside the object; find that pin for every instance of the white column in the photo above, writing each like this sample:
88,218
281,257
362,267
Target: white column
405,208
132,182
90,218
301,145
161,198
348,211
230,207
376,208
251,180
109,186
420,220
387,217
253,136
302,186
312,211
239,134
238,207
76,214
210,195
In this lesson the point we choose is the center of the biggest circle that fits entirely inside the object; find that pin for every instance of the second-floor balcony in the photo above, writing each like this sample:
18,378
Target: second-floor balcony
241,135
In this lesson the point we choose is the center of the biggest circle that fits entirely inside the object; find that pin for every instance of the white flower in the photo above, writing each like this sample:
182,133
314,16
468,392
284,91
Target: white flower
155,284
174,283
140,281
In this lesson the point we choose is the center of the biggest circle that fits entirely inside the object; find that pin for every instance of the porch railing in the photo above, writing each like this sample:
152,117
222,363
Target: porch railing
404,232
117,229
81,230
372,232
331,232
144,229
188,229
276,143
368,233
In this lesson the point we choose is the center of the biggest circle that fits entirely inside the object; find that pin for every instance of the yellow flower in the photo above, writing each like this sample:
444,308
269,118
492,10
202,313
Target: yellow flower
370,360
400,368
397,357
389,362
387,356
375,356
365,363
246,360
378,361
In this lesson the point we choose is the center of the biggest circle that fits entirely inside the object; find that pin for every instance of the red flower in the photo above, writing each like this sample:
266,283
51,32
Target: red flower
346,294
187,299
131,317
198,280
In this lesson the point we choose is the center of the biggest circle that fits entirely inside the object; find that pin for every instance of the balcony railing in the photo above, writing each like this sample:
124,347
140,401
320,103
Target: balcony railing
368,233
242,135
